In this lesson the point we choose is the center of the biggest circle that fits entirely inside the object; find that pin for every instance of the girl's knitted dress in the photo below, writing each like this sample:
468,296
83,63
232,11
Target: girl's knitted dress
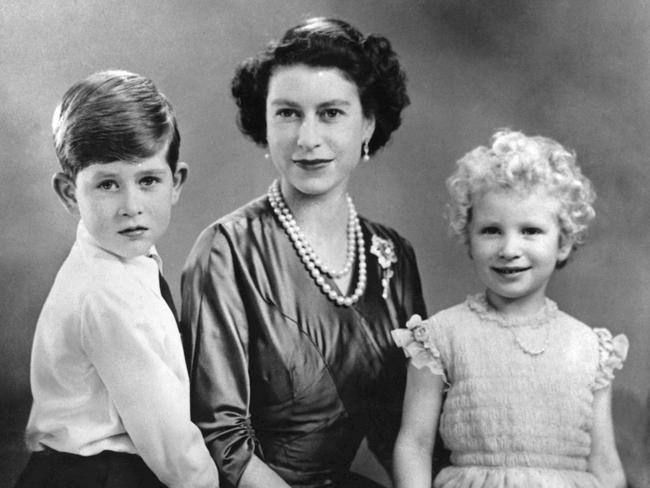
518,411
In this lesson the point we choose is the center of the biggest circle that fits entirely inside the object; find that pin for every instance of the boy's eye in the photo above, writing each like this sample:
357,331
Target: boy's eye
149,180
107,185
490,230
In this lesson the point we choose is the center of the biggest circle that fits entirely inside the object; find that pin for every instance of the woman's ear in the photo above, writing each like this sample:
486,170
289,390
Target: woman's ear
369,128
178,180
65,189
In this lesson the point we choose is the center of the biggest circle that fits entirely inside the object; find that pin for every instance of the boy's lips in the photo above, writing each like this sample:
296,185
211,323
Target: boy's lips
133,231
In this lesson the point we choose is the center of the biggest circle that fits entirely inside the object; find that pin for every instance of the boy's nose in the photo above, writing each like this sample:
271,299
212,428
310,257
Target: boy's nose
131,204
308,134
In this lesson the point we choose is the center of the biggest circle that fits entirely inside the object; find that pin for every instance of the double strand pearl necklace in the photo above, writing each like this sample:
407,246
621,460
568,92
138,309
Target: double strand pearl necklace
316,268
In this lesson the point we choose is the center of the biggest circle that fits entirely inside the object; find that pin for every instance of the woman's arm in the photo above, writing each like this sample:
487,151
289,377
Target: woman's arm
414,447
604,462
215,328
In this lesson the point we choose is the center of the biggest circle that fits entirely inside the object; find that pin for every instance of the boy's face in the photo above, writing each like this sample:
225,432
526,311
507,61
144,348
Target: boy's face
125,206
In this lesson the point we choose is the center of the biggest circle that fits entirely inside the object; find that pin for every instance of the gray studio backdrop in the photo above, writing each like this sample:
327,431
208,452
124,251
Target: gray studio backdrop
574,70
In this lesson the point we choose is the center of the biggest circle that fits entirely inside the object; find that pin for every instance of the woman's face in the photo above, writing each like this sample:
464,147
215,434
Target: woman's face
315,128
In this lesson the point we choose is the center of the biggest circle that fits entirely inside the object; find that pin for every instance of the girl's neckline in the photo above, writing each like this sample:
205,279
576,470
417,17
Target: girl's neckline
480,305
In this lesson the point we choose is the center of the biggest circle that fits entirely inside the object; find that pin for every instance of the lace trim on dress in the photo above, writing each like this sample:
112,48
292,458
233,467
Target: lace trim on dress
612,352
417,344
480,305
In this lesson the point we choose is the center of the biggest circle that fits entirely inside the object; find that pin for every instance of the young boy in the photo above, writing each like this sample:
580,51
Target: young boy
111,392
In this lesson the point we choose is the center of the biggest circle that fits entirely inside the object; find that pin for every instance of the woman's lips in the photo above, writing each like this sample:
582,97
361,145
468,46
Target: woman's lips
311,163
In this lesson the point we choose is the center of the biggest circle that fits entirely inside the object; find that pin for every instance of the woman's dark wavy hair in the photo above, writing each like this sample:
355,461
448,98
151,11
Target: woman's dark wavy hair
369,62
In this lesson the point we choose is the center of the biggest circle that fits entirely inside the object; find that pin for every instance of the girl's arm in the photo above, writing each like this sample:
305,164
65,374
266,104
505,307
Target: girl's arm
414,446
604,462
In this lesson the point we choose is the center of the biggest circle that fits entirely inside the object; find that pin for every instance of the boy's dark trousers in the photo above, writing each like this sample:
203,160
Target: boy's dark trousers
108,469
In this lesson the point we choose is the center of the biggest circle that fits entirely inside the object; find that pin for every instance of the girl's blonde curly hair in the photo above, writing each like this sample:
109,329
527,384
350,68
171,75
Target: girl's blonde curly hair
522,163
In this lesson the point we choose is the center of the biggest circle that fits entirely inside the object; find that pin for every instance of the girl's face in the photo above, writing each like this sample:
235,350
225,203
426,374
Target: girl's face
315,128
515,246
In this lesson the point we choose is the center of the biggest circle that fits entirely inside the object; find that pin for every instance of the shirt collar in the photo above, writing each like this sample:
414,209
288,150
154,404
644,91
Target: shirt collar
90,244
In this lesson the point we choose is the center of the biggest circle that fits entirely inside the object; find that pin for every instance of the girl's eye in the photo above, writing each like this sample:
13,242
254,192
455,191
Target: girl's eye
107,185
531,231
149,180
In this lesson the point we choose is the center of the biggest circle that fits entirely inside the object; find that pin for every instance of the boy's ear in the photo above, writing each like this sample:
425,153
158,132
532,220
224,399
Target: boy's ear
178,180
65,189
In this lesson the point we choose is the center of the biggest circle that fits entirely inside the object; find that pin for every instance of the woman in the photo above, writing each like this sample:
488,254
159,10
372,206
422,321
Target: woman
289,301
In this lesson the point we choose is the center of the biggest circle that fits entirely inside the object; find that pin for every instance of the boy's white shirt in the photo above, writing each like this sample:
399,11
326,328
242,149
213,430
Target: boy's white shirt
108,370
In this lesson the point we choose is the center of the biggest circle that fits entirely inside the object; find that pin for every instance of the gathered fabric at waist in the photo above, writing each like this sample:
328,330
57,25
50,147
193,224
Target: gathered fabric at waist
513,477
320,457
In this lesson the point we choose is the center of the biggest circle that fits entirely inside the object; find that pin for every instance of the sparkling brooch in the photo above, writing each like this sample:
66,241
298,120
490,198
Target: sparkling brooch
384,249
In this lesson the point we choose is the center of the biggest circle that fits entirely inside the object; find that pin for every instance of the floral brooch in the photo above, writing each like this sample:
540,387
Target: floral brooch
384,249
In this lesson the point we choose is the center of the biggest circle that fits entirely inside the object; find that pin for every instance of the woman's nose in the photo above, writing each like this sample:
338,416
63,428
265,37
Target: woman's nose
131,203
308,134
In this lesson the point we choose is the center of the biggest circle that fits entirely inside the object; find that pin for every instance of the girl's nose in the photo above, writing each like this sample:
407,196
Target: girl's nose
308,134
510,248
131,203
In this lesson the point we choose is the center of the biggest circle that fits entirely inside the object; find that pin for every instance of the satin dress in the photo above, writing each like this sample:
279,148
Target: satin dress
280,371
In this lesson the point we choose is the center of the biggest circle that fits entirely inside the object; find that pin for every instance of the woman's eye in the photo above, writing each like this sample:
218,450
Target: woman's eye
107,185
286,113
331,113
149,180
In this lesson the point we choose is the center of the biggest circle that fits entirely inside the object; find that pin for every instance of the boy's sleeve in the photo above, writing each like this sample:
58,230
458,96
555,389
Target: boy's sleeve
129,354
215,334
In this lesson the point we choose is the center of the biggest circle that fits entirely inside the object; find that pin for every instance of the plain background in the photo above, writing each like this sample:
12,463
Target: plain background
574,70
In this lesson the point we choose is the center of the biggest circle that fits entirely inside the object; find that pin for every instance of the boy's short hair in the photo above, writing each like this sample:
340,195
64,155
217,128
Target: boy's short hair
113,116
522,163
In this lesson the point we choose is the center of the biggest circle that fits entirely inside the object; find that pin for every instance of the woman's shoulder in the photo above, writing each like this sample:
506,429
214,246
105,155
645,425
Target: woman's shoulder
238,219
384,238
381,230
236,222
230,229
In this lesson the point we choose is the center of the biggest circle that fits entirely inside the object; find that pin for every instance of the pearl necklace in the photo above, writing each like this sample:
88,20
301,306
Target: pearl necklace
479,303
530,351
316,268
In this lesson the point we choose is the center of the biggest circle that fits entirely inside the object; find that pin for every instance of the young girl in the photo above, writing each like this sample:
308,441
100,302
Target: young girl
528,387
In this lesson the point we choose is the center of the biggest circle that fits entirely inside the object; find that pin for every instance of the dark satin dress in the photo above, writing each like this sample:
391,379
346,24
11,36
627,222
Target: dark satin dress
276,368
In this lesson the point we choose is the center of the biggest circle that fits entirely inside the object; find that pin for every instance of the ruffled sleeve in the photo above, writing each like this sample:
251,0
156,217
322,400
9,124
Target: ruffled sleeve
416,342
612,352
